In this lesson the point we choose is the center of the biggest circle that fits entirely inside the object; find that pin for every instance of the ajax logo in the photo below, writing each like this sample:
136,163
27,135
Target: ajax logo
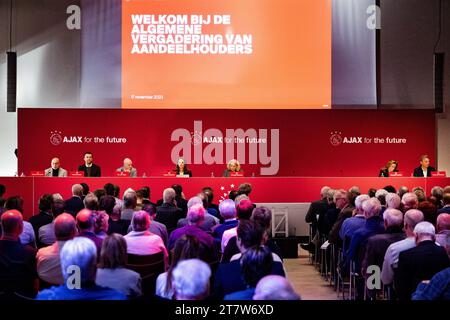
55,138
336,138
196,138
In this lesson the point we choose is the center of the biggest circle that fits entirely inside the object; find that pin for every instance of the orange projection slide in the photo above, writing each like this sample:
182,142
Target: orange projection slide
252,54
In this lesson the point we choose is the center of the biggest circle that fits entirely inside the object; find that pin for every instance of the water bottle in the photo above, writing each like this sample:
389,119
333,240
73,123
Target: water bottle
253,174
212,174
144,175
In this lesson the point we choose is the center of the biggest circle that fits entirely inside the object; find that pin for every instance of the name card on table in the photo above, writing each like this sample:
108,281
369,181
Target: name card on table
182,176
122,174
441,174
396,174
169,174
76,174
236,174
37,173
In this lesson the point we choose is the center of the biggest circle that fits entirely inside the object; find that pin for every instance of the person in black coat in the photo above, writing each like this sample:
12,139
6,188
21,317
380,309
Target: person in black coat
419,263
391,166
168,213
424,170
182,168
90,169
75,203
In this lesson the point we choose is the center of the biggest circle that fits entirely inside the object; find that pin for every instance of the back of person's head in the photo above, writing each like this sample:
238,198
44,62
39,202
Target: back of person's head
381,196
437,192
420,193
77,190
262,216
150,209
240,197
58,207
275,287
244,209
190,280
2,190
178,189
116,191
371,192
196,214
245,188
209,192
193,201
256,263
402,190
101,223
146,192
80,252
45,202
204,198
91,201
355,191
12,223
107,204
409,201
114,252
393,200
412,218
99,193
109,189
129,199
227,209
390,189
424,231
117,211
371,208
169,195
14,203
447,189
324,192
139,196
85,220
65,227
140,221
393,218
232,195
249,234
443,222
359,202
85,187
429,211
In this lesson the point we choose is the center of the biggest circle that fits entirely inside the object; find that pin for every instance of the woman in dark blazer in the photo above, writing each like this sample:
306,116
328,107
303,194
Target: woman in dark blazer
391,166
182,168
232,166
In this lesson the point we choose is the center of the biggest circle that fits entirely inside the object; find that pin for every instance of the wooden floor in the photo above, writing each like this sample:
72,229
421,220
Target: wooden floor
307,280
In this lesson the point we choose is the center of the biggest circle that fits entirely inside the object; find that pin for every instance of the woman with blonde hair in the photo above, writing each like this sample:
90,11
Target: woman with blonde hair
232,166
391,166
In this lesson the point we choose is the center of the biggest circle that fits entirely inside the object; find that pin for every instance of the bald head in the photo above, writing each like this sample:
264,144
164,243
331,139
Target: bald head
443,222
412,218
169,195
55,163
65,227
140,221
85,220
127,163
275,287
12,223
77,190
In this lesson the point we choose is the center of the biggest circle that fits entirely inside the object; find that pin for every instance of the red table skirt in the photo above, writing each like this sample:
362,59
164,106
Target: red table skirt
267,190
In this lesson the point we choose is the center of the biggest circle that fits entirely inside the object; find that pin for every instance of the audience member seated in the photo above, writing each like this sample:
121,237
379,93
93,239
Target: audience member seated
91,202
75,203
17,261
419,263
27,237
245,188
186,247
411,219
129,204
438,193
402,190
438,288
112,272
179,198
146,196
227,210
190,280
443,229
350,225
141,241
156,227
117,225
273,287
429,211
196,215
377,245
345,211
446,204
101,224
228,278
393,201
244,211
80,252
209,222
99,193
332,213
86,226
409,201
45,214
256,263
168,213
47,232
210,193
420,193
2,193
47,259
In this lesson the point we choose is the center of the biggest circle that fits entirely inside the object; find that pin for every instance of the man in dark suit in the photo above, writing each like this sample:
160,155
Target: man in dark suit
424,170
90,169
44,216
168,213
75,204
419,263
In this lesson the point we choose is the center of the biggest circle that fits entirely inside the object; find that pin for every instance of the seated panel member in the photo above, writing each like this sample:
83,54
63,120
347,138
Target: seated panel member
128,167
90,169
424,170
391,166
182,168
55,169
232,166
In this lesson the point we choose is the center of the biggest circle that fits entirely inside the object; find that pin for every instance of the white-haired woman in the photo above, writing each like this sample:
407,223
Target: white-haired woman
232,166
